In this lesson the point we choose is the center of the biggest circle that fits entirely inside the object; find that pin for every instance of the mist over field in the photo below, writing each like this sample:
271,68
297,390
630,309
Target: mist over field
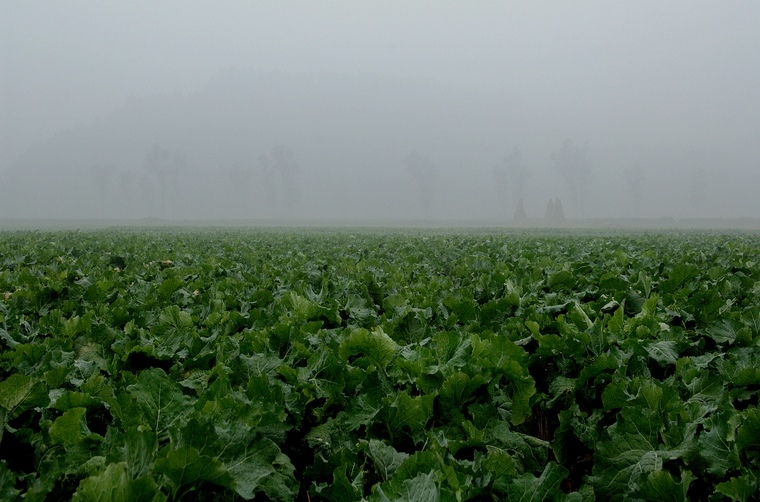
386,111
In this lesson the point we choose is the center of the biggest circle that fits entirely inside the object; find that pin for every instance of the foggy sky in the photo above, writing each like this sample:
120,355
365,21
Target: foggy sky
664,96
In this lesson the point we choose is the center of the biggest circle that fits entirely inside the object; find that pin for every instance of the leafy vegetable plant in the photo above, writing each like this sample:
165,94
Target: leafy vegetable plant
356,365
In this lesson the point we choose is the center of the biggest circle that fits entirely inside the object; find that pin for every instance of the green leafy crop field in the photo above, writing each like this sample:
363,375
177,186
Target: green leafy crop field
415,365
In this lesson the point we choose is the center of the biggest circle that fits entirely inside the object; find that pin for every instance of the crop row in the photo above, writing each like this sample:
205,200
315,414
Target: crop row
210,365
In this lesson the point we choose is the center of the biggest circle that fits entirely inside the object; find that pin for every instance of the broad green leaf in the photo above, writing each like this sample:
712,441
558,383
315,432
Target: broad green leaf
649,306
560,387
324,374
70,399
70,428
362,410
145,488
723,331
741,366
358,309
451,352
462,306
717,445
629,450
196,380
19,393
740,488
302,308
501,356
575,426
748,435
680,274
173,344
324,435
707,391
421,462
407,413
185,466
76,325
281,485
530,488
169,286
562,280
647,393
377,348
549,345
250,463
114,484
344,486
612,281
161,403
457,389
249,468
529,453
645,282
663,351
8,489
601,366
176,318
634,302
139,451
534,328
579,317
385,457
421,488
494,313
660,485
616,324
110,485
501,465
7,338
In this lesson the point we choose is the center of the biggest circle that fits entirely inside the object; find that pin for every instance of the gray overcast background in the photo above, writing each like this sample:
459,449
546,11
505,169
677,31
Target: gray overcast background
202,110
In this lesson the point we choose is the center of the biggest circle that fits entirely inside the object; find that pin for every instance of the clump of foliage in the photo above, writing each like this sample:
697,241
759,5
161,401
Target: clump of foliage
209,365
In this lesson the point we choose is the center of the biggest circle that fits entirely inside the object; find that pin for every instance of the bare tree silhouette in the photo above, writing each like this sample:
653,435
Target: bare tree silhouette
697,193
634,180
280,175
157,165
424,175
573,162
101,178
511,177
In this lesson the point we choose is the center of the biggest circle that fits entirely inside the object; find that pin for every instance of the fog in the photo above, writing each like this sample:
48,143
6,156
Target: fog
382,111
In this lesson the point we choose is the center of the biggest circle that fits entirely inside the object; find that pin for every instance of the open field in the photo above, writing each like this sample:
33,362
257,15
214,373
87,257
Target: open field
366,363
609,224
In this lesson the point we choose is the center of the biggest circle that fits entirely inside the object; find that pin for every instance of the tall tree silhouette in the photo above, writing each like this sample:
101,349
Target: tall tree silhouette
157,165
280,175
176,172
511,177
101,178
634,181
128,186
697,192
240,181
573,163
424,175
